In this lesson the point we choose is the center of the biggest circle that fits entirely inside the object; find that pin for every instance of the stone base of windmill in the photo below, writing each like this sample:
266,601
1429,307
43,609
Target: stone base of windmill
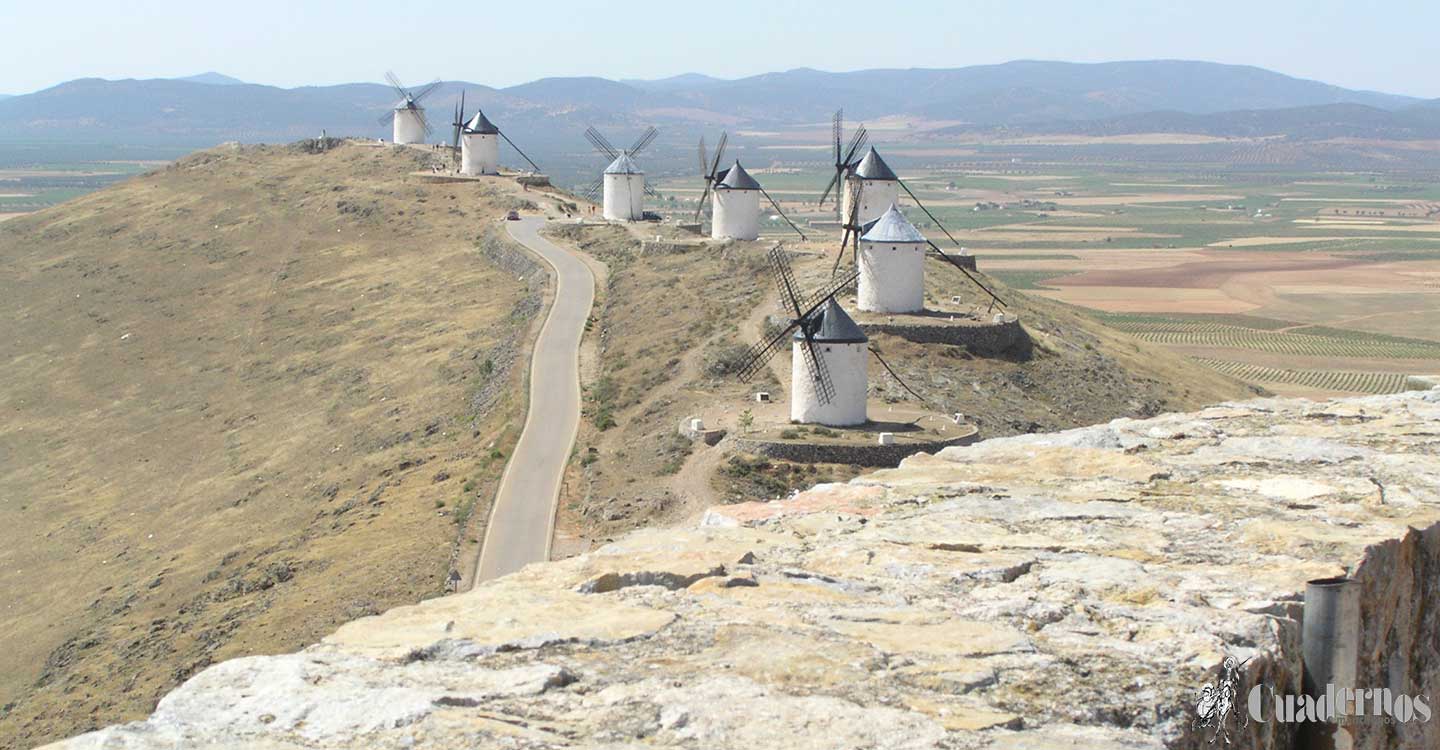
982,331
893,433
882,442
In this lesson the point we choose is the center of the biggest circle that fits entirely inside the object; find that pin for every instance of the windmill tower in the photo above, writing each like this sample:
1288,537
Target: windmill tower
624,198
828,379
892,265
408,117
477,142
480,146
734,198
737,206
623,182
877,187
831,338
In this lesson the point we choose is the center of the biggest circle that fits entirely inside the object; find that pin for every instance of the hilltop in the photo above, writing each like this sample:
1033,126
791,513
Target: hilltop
248,397
1070,591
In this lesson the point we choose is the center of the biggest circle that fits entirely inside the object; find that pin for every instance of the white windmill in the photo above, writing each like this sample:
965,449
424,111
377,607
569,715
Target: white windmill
408,117
840,347
735,198
867,190
892,265
828,378
623,182
478,143
877,186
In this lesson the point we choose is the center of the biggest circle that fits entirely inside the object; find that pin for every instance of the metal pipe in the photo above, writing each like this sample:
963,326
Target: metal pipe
1329,645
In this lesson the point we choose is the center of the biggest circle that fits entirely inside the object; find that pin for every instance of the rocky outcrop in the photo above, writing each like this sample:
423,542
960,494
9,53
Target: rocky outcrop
1067,591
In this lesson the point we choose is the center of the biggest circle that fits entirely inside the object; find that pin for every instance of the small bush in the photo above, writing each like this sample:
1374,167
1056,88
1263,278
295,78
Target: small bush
726,360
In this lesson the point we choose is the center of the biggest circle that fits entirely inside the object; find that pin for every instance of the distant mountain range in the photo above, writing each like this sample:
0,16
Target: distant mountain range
213,78
548,114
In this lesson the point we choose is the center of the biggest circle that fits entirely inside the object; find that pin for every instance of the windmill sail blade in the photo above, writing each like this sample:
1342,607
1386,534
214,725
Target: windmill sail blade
600,143
833,182
707,175
966,271
396,84
785,280
644,140
704,194
758,355
593,191
864,141
528,160
850,230
719,154
899,380
856,142
459,122
839,128
387,118
814,301
819,371
428,90
424,121
650,191
782,214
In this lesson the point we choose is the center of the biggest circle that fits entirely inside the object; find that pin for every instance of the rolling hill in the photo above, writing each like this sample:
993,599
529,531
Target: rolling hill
247,397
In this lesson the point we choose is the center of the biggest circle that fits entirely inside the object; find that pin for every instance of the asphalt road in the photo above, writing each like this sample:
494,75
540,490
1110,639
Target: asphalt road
523,520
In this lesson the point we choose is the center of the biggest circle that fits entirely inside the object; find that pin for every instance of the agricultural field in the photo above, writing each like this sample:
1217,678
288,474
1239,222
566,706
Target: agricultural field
1265,262
36,176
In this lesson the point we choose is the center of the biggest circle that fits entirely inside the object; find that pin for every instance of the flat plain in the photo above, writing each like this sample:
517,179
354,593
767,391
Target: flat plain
1304,280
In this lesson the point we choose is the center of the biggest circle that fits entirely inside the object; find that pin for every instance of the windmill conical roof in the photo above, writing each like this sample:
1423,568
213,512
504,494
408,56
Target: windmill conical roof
891,227
481,124
407,103
872,167
736,178
623,164
831,325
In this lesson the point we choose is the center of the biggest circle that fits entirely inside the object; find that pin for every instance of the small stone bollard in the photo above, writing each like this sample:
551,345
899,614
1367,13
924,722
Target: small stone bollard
887,438
697,425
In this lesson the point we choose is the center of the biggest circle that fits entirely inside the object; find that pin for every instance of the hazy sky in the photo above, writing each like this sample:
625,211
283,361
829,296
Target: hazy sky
1383,46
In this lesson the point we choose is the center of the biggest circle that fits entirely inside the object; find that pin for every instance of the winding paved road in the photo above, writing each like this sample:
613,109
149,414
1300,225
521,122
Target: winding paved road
523,520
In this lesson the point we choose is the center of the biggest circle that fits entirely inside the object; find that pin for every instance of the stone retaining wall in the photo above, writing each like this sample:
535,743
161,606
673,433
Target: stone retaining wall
986,338
873,455
510,257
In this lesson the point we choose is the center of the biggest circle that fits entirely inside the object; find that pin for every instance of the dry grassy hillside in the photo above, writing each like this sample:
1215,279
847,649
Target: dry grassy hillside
667,330
244,401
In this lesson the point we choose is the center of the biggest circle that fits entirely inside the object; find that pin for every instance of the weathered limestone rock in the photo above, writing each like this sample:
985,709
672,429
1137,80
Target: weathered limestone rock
1068,592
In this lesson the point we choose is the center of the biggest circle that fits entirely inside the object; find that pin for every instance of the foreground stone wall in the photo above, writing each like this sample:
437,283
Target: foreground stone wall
1070,591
